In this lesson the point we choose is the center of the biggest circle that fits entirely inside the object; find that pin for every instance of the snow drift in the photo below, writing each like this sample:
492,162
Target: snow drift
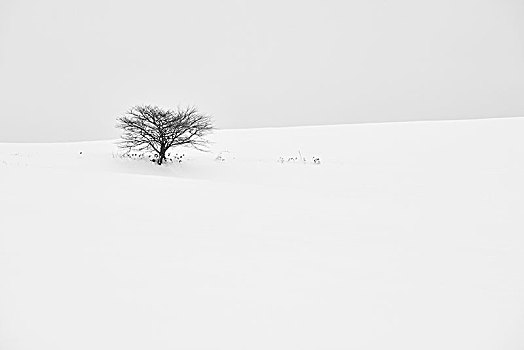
406,236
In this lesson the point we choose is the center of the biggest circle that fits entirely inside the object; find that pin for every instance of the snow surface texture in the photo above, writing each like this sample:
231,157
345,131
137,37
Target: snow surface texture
406,236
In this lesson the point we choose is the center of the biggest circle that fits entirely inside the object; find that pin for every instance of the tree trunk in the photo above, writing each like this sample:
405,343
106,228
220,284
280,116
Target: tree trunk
161,156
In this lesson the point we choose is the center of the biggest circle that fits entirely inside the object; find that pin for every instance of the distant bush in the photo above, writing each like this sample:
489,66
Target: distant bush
296,159
224,155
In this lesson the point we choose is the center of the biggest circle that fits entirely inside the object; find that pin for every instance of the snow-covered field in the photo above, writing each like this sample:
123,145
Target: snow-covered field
406,236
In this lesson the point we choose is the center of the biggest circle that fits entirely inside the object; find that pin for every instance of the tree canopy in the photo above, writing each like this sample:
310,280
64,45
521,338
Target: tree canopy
151,128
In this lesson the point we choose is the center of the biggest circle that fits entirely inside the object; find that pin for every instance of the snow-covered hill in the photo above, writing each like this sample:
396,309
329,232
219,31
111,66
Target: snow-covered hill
406,236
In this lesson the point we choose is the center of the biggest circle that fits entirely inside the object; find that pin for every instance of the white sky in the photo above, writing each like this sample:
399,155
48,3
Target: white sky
69,68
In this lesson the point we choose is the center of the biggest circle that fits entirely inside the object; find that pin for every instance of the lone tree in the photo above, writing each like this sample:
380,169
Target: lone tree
151,128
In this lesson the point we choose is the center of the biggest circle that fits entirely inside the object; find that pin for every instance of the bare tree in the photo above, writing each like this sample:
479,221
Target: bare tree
151,128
